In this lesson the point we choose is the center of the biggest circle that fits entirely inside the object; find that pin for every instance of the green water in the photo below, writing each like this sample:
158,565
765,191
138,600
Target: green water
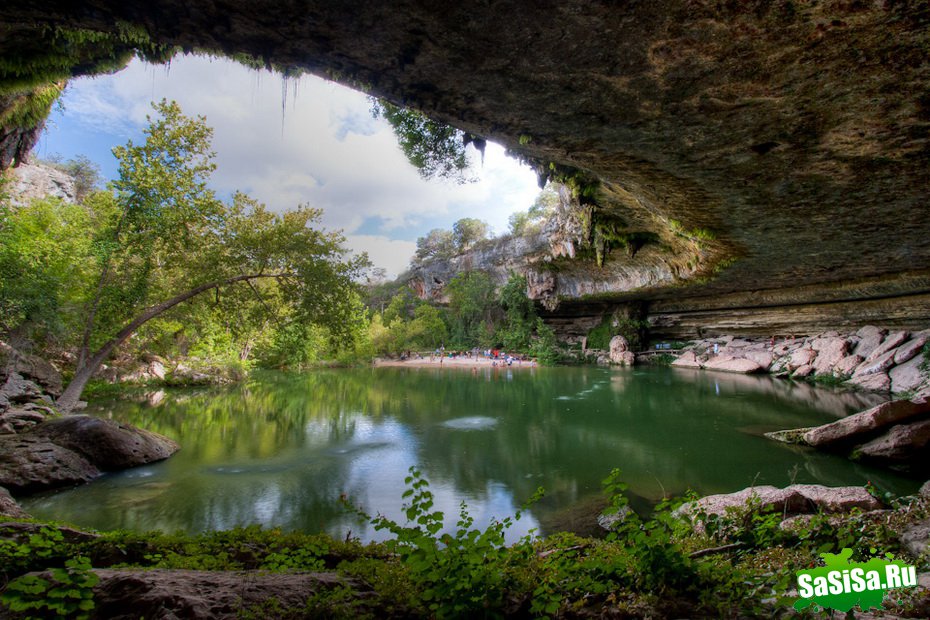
282,449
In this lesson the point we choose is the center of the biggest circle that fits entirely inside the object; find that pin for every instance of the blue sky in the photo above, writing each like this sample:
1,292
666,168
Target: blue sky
322,149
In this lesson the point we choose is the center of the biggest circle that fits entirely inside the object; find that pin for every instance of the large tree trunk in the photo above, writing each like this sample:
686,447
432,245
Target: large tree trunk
72,394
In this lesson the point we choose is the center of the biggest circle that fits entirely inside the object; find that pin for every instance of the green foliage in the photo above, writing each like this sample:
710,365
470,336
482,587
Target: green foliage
468,231
472,308
460,574
520,318
437,244
925,364
44,270
435,149
532,220
68,593
545,348
632,329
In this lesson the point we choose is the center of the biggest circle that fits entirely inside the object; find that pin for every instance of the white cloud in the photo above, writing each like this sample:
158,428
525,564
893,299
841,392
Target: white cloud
326,150
393,255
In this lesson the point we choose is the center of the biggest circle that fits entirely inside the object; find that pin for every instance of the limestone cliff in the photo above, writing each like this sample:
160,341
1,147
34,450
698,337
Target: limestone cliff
775,152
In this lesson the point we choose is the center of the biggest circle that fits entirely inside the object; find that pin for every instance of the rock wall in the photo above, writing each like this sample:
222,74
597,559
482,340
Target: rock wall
767,146
32,181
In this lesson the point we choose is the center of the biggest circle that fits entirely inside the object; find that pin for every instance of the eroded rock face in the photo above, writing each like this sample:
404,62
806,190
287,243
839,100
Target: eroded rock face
717,127
905,446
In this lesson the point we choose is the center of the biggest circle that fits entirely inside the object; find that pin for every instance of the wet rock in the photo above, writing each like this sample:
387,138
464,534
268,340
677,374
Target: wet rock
29,464
861,425
107,444
877,383
916,538
804,371
910,349
201,595
9,507
870,337
732,364
795,499
610,521
905,446
907,376
687,360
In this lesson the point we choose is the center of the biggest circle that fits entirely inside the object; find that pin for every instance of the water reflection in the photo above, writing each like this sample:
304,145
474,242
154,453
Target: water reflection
282,449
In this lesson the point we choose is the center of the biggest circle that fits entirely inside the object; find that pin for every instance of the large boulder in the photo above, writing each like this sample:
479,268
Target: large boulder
75,449
29,464
801,357
904,446
916,538
910,349
847,365
795,499
732,364
829,353
860,426
879,382
870,337
620,351
908,376
875,365
893,341
9,507
107,444
202,595
687,360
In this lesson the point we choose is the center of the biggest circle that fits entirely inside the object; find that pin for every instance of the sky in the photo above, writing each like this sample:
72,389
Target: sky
285,143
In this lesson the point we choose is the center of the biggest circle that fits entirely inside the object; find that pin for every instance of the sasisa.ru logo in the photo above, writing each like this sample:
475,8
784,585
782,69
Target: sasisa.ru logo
842,584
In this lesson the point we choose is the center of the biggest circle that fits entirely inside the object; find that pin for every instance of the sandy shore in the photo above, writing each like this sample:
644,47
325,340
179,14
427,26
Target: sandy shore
456,362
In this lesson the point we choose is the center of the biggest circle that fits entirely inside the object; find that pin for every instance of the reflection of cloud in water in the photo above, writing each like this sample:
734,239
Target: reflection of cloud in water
471,423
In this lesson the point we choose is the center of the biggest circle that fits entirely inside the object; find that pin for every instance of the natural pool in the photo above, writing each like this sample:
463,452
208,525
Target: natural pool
282,449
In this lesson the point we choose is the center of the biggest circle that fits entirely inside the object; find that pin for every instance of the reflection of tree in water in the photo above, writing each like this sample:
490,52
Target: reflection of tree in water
282,448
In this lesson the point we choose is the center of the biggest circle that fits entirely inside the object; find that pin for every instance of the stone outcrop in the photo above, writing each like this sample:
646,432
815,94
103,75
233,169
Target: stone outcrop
75,449
870,358
200,595
895,434
32,181
791,500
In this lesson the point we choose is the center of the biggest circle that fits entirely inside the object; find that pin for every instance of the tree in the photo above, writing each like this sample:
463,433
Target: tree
437,243
434,148
519,315
467,232
472,306
169,240
542,209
